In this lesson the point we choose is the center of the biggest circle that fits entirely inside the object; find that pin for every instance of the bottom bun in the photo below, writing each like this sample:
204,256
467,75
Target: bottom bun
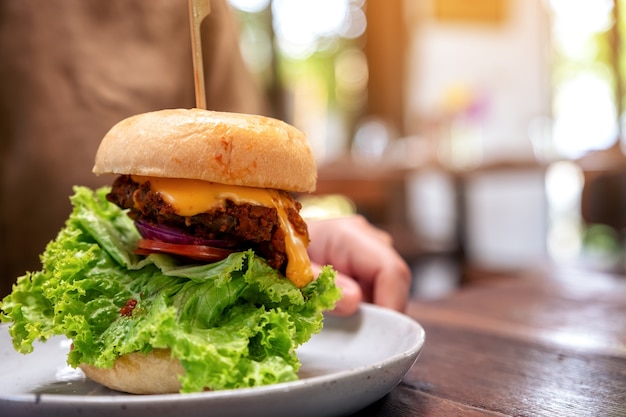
137,373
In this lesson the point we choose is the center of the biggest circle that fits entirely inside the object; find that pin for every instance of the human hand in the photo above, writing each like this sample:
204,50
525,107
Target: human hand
368,267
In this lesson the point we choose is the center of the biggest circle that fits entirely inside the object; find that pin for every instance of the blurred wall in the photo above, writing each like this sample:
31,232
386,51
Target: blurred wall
491,70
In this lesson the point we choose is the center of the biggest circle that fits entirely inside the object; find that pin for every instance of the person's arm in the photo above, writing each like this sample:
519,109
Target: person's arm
369,268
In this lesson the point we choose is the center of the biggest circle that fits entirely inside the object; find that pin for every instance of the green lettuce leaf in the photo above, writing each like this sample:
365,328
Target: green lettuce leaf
233,323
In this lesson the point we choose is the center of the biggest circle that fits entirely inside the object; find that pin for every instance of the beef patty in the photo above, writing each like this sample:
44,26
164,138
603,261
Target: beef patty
246,225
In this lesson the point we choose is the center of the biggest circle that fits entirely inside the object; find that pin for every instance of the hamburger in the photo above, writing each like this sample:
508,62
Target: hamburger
190,272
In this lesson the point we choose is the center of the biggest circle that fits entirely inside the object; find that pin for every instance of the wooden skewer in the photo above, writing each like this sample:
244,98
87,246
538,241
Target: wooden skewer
198,11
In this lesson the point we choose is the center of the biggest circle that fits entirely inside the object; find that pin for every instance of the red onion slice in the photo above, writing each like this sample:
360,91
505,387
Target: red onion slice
171,235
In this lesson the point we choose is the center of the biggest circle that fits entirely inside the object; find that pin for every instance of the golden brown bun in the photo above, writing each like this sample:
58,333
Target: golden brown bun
137,373
228,148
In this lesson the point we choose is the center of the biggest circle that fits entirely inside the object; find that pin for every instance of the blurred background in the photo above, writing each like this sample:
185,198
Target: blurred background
484,135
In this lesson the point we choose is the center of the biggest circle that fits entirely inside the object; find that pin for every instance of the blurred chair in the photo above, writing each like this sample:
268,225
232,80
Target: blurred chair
603,198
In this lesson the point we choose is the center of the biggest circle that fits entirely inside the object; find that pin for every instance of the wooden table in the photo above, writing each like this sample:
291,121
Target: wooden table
545,344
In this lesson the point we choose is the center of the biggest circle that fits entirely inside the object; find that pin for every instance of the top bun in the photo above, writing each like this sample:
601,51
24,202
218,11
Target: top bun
227,148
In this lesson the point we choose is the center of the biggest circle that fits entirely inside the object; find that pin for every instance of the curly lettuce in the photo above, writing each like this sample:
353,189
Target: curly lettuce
234,323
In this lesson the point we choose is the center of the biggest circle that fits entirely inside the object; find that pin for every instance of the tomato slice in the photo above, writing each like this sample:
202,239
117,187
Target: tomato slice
196,252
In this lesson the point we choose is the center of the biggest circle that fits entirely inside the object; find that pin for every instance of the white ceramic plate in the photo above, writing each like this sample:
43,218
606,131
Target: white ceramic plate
352,363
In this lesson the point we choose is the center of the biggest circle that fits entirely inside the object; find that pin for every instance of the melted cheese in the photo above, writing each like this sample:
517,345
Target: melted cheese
190,197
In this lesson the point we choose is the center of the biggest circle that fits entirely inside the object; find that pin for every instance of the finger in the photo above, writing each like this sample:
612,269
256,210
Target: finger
351,296
382,236
392,287
365,226
383,275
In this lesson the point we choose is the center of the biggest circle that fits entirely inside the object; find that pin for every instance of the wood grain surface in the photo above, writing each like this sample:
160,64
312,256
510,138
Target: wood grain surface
541,344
